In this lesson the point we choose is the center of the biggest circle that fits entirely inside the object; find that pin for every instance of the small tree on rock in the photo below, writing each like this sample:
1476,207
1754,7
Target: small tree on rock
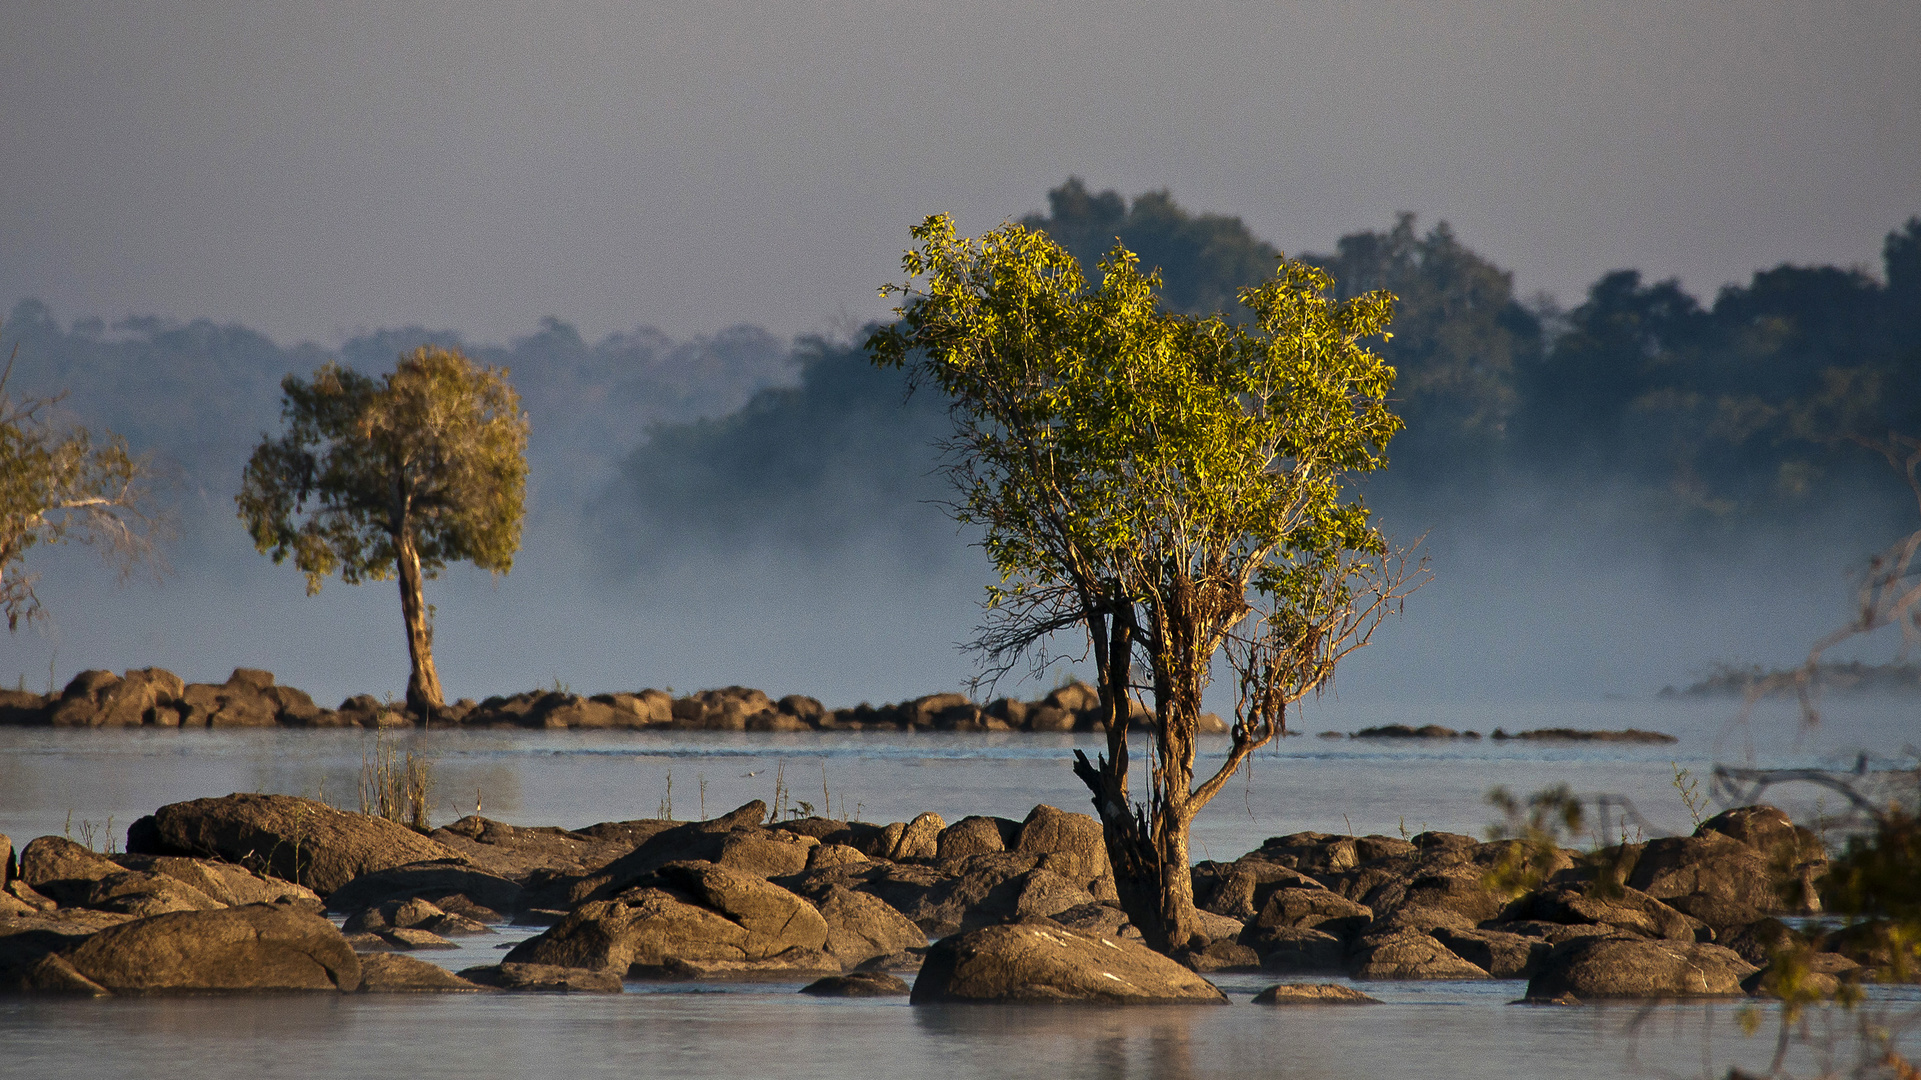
393,476
58,484
1172,487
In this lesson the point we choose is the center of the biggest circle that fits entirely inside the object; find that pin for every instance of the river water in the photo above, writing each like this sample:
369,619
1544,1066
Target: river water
90,784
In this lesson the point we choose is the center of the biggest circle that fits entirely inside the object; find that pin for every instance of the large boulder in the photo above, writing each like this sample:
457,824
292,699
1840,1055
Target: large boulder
1041,961
223,881
300,840
861,927
765,853
1617,907
143,894
432,881
392,973
697,840
514,852
255,947
1409,954
1302,952
1502,955
981,890
1613,967
62,870
975,836
1744,881
1072,845
1241,889
1308,909
697,913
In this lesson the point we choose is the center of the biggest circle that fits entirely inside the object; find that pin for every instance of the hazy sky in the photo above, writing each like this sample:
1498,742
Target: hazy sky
310,169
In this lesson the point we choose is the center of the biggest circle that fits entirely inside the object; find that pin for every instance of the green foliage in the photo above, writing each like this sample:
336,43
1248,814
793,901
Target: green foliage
433,453
1878,879
58,485
397,785
1167,483
394,476
1688,787
1540,826
1115,453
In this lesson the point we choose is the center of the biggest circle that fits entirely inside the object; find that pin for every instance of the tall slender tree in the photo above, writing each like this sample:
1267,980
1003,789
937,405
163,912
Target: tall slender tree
395,476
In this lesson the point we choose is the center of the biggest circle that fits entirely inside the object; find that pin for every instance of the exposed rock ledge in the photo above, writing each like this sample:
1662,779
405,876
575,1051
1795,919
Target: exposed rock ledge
155,697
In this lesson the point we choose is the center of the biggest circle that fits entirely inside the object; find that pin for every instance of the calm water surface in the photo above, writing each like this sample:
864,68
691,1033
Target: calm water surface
76,781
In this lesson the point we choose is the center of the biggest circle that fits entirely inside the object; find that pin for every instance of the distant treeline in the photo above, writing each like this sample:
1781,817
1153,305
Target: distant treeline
1697,416
1838,677
1701,418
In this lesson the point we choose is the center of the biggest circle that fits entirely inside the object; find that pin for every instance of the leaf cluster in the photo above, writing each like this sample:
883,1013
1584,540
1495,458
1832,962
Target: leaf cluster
1112,452
432,454
58,484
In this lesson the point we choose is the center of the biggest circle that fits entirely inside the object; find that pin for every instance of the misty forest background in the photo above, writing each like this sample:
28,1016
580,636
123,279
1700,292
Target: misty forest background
1614,493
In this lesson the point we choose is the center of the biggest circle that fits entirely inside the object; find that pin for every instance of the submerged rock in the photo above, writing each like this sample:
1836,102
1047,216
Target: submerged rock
1313,994
858,984
543,977
1041,961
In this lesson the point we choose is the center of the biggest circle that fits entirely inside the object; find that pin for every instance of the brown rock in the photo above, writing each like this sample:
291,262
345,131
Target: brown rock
543,977
143,894
857,984
62,870
1313,994
1619,907
974,836
296,839
1409,954
1501,955
1307,909
1302,952
256,947
1075,839
1041,961
447,885
230,884
861,927
1624,967
390,973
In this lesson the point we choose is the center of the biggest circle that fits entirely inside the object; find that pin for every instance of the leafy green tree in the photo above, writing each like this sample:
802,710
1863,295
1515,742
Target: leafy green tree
393,476
1168,485
57,484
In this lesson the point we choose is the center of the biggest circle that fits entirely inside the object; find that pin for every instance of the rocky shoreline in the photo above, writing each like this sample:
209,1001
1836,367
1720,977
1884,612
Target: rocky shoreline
231,894
156,697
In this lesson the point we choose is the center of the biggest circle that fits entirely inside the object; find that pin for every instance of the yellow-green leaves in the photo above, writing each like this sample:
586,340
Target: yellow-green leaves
1099,439
57,485
435,450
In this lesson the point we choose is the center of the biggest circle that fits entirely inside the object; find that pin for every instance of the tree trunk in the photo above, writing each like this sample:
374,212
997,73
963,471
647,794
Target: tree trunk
1130,846
423,683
